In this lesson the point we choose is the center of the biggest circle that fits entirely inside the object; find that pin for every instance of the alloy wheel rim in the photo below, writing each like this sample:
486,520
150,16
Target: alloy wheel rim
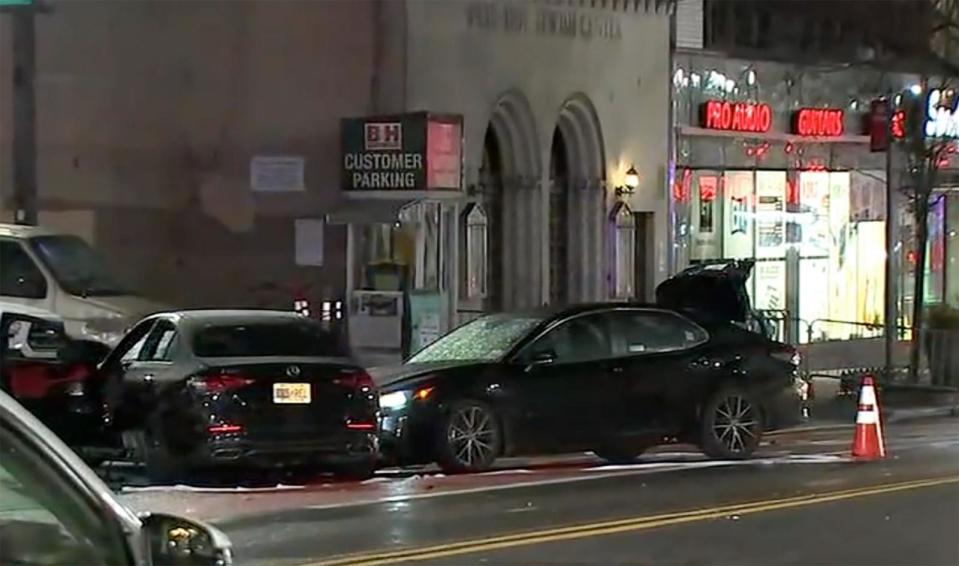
471,436
735,423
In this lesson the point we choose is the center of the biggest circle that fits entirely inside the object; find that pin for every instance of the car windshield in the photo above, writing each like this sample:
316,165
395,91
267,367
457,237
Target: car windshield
485,339
263,339
77,267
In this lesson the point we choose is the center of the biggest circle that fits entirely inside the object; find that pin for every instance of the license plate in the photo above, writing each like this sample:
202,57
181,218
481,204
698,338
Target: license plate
292,393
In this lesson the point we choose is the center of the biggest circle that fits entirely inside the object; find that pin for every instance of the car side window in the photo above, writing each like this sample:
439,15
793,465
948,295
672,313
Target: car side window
642,332
45,519
20,276
129,348
580,339
159,345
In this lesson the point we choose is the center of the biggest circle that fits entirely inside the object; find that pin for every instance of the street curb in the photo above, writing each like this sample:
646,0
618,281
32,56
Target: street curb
892,416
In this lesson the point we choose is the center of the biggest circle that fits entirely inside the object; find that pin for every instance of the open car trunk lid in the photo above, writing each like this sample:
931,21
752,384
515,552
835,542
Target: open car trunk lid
714,291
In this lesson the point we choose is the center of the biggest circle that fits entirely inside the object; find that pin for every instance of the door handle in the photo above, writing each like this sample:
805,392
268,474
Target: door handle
148,379
616,369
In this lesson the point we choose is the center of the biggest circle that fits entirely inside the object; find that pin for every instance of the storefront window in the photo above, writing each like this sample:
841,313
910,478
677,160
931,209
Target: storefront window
476,257
818,227
952,250
400,256
624,226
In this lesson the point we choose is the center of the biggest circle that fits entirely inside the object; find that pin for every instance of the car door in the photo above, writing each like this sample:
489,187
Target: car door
113,372
664,363
562,389
152,369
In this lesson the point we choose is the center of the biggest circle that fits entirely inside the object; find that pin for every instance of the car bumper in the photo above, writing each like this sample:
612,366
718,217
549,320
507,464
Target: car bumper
406,438
240,450
789,407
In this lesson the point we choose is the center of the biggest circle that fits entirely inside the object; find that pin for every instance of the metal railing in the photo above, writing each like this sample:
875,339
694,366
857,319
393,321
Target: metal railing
840,348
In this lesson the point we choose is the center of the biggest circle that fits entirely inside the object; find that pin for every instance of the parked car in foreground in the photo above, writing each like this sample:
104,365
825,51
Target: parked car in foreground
55,511
612,378
240,388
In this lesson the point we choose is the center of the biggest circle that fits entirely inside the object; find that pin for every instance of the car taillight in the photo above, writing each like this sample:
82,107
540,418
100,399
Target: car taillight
219,382
356,380
225,428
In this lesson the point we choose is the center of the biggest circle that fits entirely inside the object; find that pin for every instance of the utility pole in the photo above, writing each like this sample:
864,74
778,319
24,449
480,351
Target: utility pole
24,109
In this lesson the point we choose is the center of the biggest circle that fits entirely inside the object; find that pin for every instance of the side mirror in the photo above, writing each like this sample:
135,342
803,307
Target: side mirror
541,358
175,541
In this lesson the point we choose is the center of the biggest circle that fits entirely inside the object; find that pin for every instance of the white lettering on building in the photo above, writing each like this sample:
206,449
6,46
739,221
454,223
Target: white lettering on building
941,121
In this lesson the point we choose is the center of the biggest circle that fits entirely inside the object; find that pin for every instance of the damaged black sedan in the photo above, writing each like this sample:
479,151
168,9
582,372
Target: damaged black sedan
610,378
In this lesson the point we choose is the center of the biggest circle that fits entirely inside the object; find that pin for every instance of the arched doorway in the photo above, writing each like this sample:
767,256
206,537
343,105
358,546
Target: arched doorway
577,205
559,197
491,180
508,181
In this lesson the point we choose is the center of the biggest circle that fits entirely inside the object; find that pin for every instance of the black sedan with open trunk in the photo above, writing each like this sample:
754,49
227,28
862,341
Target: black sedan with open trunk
230,388
612,378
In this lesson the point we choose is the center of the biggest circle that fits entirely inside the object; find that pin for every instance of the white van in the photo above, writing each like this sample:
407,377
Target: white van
61,273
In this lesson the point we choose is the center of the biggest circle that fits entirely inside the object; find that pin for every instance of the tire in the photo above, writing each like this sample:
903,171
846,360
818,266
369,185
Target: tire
469,438
620,454
731,425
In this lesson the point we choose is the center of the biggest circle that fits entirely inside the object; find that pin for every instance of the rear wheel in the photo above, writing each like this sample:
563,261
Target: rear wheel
731,425
469,438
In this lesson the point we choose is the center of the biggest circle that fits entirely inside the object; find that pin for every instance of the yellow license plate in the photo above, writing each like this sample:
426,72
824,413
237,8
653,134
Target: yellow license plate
292,393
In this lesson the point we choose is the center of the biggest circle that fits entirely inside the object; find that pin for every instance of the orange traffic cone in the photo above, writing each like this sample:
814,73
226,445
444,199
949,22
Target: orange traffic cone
868,443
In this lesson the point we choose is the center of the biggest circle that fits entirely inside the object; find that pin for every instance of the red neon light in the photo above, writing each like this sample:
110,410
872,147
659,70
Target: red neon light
899,124
818,122
360,426
792,192
707,189
737,116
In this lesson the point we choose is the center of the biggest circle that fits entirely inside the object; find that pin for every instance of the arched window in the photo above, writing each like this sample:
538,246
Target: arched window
475,238
624,251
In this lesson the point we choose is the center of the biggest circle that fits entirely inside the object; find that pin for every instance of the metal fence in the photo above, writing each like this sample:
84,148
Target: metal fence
839,348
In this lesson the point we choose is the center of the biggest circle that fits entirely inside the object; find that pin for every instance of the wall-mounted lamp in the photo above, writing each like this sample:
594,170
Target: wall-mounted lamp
630,182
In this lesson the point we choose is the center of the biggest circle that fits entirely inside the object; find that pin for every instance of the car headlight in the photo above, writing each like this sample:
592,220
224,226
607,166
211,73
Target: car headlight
395,400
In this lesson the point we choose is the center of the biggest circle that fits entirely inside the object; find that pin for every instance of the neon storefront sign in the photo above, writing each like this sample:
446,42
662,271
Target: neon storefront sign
942,121
818,122
737,116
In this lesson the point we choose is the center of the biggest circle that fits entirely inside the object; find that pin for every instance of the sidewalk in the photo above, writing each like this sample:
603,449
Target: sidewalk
830,406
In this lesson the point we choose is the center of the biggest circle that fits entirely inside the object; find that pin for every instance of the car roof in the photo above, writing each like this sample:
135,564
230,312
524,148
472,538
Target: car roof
556,312
230,316
22,231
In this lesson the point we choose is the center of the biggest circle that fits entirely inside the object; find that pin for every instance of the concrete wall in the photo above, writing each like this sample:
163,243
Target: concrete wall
464,56
148,115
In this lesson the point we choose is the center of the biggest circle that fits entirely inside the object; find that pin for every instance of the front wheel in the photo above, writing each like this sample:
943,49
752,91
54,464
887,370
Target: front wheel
731,425
468,438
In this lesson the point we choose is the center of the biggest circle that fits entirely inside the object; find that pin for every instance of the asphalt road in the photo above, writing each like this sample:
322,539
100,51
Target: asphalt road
801,502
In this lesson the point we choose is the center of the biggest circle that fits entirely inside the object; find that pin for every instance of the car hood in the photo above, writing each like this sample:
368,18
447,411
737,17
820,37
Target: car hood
713,290
130,306
392,375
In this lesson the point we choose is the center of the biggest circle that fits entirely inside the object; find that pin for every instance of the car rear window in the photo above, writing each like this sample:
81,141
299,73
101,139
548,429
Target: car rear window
264,339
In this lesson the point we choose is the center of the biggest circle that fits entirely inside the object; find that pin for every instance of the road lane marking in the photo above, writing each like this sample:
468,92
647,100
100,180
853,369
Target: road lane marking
620,526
